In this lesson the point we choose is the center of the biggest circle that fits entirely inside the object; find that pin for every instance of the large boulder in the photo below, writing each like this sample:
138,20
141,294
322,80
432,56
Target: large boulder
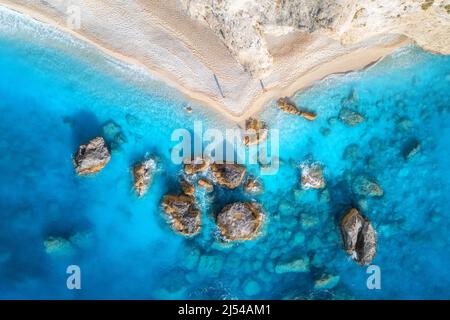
240,221
229,175
92,157
359,237
255,131
143,175
367,187
183,213
312,176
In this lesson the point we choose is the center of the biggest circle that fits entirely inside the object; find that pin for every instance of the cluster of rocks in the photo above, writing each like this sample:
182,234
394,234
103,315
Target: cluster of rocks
288,106
92,157
238,221
256,131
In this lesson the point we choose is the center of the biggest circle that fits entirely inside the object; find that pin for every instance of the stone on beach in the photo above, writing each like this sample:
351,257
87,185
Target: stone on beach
364,186
183,213
255,131
359,237
229,175
253,186
143,175
240,221
196,165
92,157
350,117
287,106
312,176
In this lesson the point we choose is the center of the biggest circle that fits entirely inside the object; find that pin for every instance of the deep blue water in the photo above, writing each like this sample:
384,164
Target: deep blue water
56,93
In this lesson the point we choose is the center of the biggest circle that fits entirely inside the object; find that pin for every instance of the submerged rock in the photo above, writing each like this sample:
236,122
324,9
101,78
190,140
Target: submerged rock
350,117
359,237
411,149
197,165
183,213
253,186
57,245
255,131
287,106
240,221
92,157
364,186
326,282
312,176
229,175
204,183
114,135
298,265
143,175
187,187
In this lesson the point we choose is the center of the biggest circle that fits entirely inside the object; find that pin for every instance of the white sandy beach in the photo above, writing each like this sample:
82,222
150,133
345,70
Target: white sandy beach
176,49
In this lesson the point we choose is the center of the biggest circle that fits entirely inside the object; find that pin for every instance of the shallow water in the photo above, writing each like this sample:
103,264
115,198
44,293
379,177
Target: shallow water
56,93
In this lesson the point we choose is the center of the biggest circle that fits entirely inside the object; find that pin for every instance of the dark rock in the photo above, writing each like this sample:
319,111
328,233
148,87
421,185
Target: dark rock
411,148
359,237
183,213
91,157
229,175
240,221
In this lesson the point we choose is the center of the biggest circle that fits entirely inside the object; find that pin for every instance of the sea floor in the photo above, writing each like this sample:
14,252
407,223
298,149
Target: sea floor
56,93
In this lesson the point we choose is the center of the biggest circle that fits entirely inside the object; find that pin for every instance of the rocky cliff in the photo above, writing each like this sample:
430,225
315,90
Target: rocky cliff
253,29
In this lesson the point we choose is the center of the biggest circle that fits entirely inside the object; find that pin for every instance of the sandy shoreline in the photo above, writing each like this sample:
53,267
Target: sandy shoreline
244,97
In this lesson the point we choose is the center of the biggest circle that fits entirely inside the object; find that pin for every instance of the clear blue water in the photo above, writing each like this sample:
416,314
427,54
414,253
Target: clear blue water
56,93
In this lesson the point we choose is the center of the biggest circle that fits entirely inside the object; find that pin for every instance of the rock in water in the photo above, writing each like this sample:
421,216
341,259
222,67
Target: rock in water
359,237
195,166
255,131
350,117
229,175
363,186
92,157
187,187
299,265
204,183
143,174
285,105
411,149
312,176
240,221
253,186
183,213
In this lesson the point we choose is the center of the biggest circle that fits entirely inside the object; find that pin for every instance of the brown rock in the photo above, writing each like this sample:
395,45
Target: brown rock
253,186
312,176
287,106
196,165
206,184
92,157
229,175
240,221
359,237
183,213
187,187
143,174
255,131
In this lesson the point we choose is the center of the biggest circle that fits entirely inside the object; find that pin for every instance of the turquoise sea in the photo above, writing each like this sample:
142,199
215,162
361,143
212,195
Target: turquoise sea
56,93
